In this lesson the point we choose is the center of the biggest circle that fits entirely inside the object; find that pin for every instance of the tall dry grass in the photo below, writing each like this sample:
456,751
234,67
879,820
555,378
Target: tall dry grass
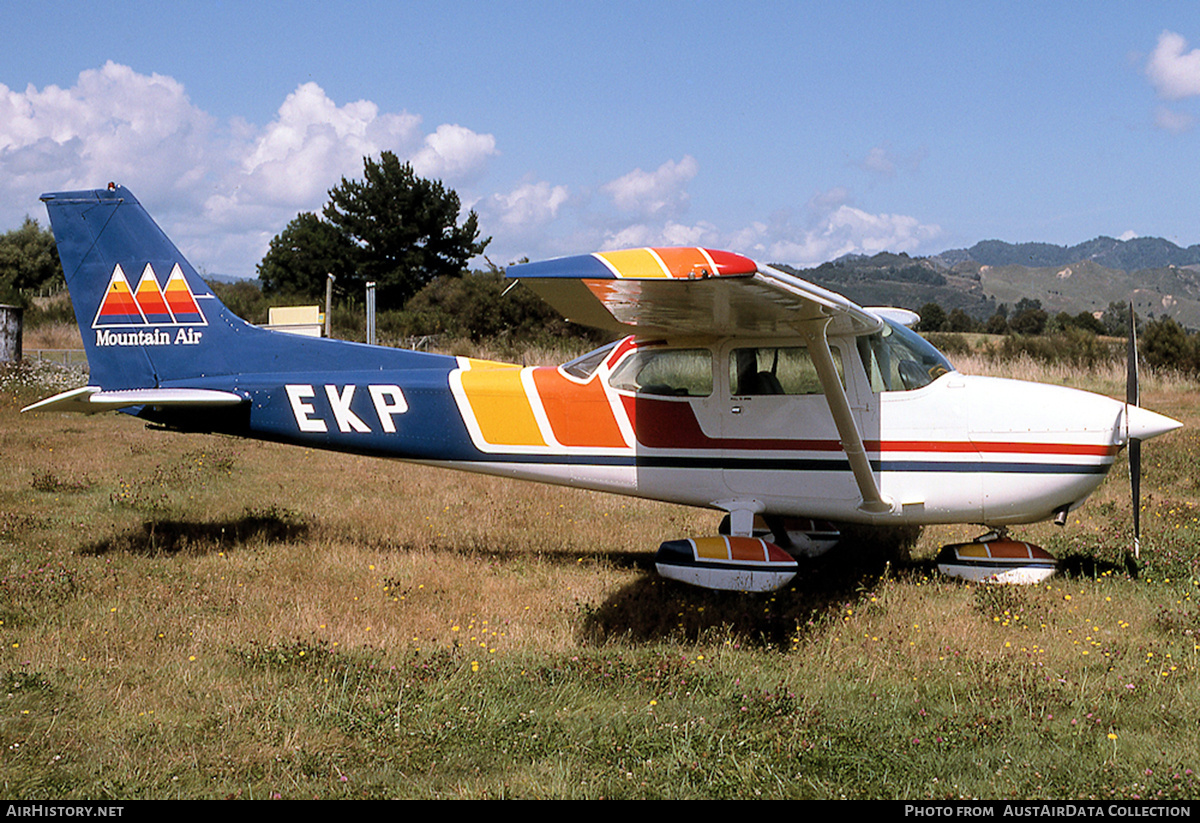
57,335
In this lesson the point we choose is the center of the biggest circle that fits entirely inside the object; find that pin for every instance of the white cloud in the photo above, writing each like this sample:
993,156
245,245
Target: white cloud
1173,73
661,193
113,124
453,153
668,234
1176,122
884,162
832,228
527,207
221,190
312,143
872,233
880,161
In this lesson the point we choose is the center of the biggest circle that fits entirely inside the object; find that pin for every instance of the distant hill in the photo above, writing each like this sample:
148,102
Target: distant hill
1126,255
1159,276
229,278
887,279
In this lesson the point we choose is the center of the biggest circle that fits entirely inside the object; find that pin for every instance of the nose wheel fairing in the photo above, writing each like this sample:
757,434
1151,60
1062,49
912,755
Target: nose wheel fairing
997,560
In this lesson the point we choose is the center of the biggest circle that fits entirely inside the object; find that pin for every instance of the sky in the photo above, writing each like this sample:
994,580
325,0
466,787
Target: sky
791,132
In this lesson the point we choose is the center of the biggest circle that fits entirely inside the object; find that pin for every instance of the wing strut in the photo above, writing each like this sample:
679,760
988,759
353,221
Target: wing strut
835,395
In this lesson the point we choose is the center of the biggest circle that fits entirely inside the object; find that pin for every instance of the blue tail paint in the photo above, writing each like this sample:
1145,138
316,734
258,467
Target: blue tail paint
149,320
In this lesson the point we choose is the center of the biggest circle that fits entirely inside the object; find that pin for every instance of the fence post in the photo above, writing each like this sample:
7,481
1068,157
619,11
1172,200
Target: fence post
11,321
329,305
371,314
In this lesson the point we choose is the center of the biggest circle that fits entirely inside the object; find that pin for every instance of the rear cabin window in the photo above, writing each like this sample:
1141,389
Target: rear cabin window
666,372
776,370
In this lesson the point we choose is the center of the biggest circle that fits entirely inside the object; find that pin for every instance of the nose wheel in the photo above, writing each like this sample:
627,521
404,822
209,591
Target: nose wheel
995,558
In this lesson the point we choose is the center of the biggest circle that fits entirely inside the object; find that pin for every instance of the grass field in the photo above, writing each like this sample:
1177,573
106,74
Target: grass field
186,616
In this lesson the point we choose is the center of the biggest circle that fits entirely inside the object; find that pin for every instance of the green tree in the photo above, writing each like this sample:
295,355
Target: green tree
959,321
303,254
1088,322
1164,344
392,228
28,263
933,318
1029,318
404,228
1116,319
482,305
998,322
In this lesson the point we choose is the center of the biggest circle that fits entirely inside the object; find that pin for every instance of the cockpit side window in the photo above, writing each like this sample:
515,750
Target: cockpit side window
585,365
666,372
777,370
897,359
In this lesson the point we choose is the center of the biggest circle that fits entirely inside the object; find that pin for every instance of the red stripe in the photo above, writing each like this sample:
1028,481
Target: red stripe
991,447
666,424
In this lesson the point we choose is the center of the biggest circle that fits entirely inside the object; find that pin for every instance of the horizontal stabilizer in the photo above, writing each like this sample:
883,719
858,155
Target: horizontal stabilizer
90,399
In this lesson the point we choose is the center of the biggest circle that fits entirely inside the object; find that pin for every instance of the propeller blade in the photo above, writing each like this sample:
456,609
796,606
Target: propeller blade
1131,363
1132,397
1135,488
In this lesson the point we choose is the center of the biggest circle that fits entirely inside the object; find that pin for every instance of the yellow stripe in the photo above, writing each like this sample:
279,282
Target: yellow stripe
473,364
635,263
711,548
501,408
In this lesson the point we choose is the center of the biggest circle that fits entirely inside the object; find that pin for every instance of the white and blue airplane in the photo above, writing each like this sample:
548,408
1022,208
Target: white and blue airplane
737,387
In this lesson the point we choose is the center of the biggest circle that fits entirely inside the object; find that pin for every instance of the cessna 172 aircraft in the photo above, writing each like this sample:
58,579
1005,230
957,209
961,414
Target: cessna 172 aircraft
742,389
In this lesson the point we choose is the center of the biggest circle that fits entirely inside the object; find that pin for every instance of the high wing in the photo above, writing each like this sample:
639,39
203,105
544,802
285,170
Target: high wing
695,291
689,291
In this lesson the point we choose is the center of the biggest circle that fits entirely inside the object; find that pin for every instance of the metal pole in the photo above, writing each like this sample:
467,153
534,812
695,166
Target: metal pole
371,314
329,278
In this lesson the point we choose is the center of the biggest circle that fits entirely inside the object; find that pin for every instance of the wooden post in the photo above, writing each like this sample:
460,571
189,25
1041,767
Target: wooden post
10,333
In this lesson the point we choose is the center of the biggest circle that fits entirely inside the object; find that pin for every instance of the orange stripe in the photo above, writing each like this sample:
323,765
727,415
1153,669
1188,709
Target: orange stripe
579,415
179,298
119,300
1008,549
150,298
747,548
682,262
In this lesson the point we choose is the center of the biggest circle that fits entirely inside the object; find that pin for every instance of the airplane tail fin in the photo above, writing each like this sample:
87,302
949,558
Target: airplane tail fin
146,316
149,321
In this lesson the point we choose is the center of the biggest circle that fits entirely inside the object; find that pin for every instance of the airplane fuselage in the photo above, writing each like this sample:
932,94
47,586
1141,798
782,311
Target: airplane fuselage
957,449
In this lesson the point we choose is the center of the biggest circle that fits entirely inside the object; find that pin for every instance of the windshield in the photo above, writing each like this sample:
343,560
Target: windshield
898,359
